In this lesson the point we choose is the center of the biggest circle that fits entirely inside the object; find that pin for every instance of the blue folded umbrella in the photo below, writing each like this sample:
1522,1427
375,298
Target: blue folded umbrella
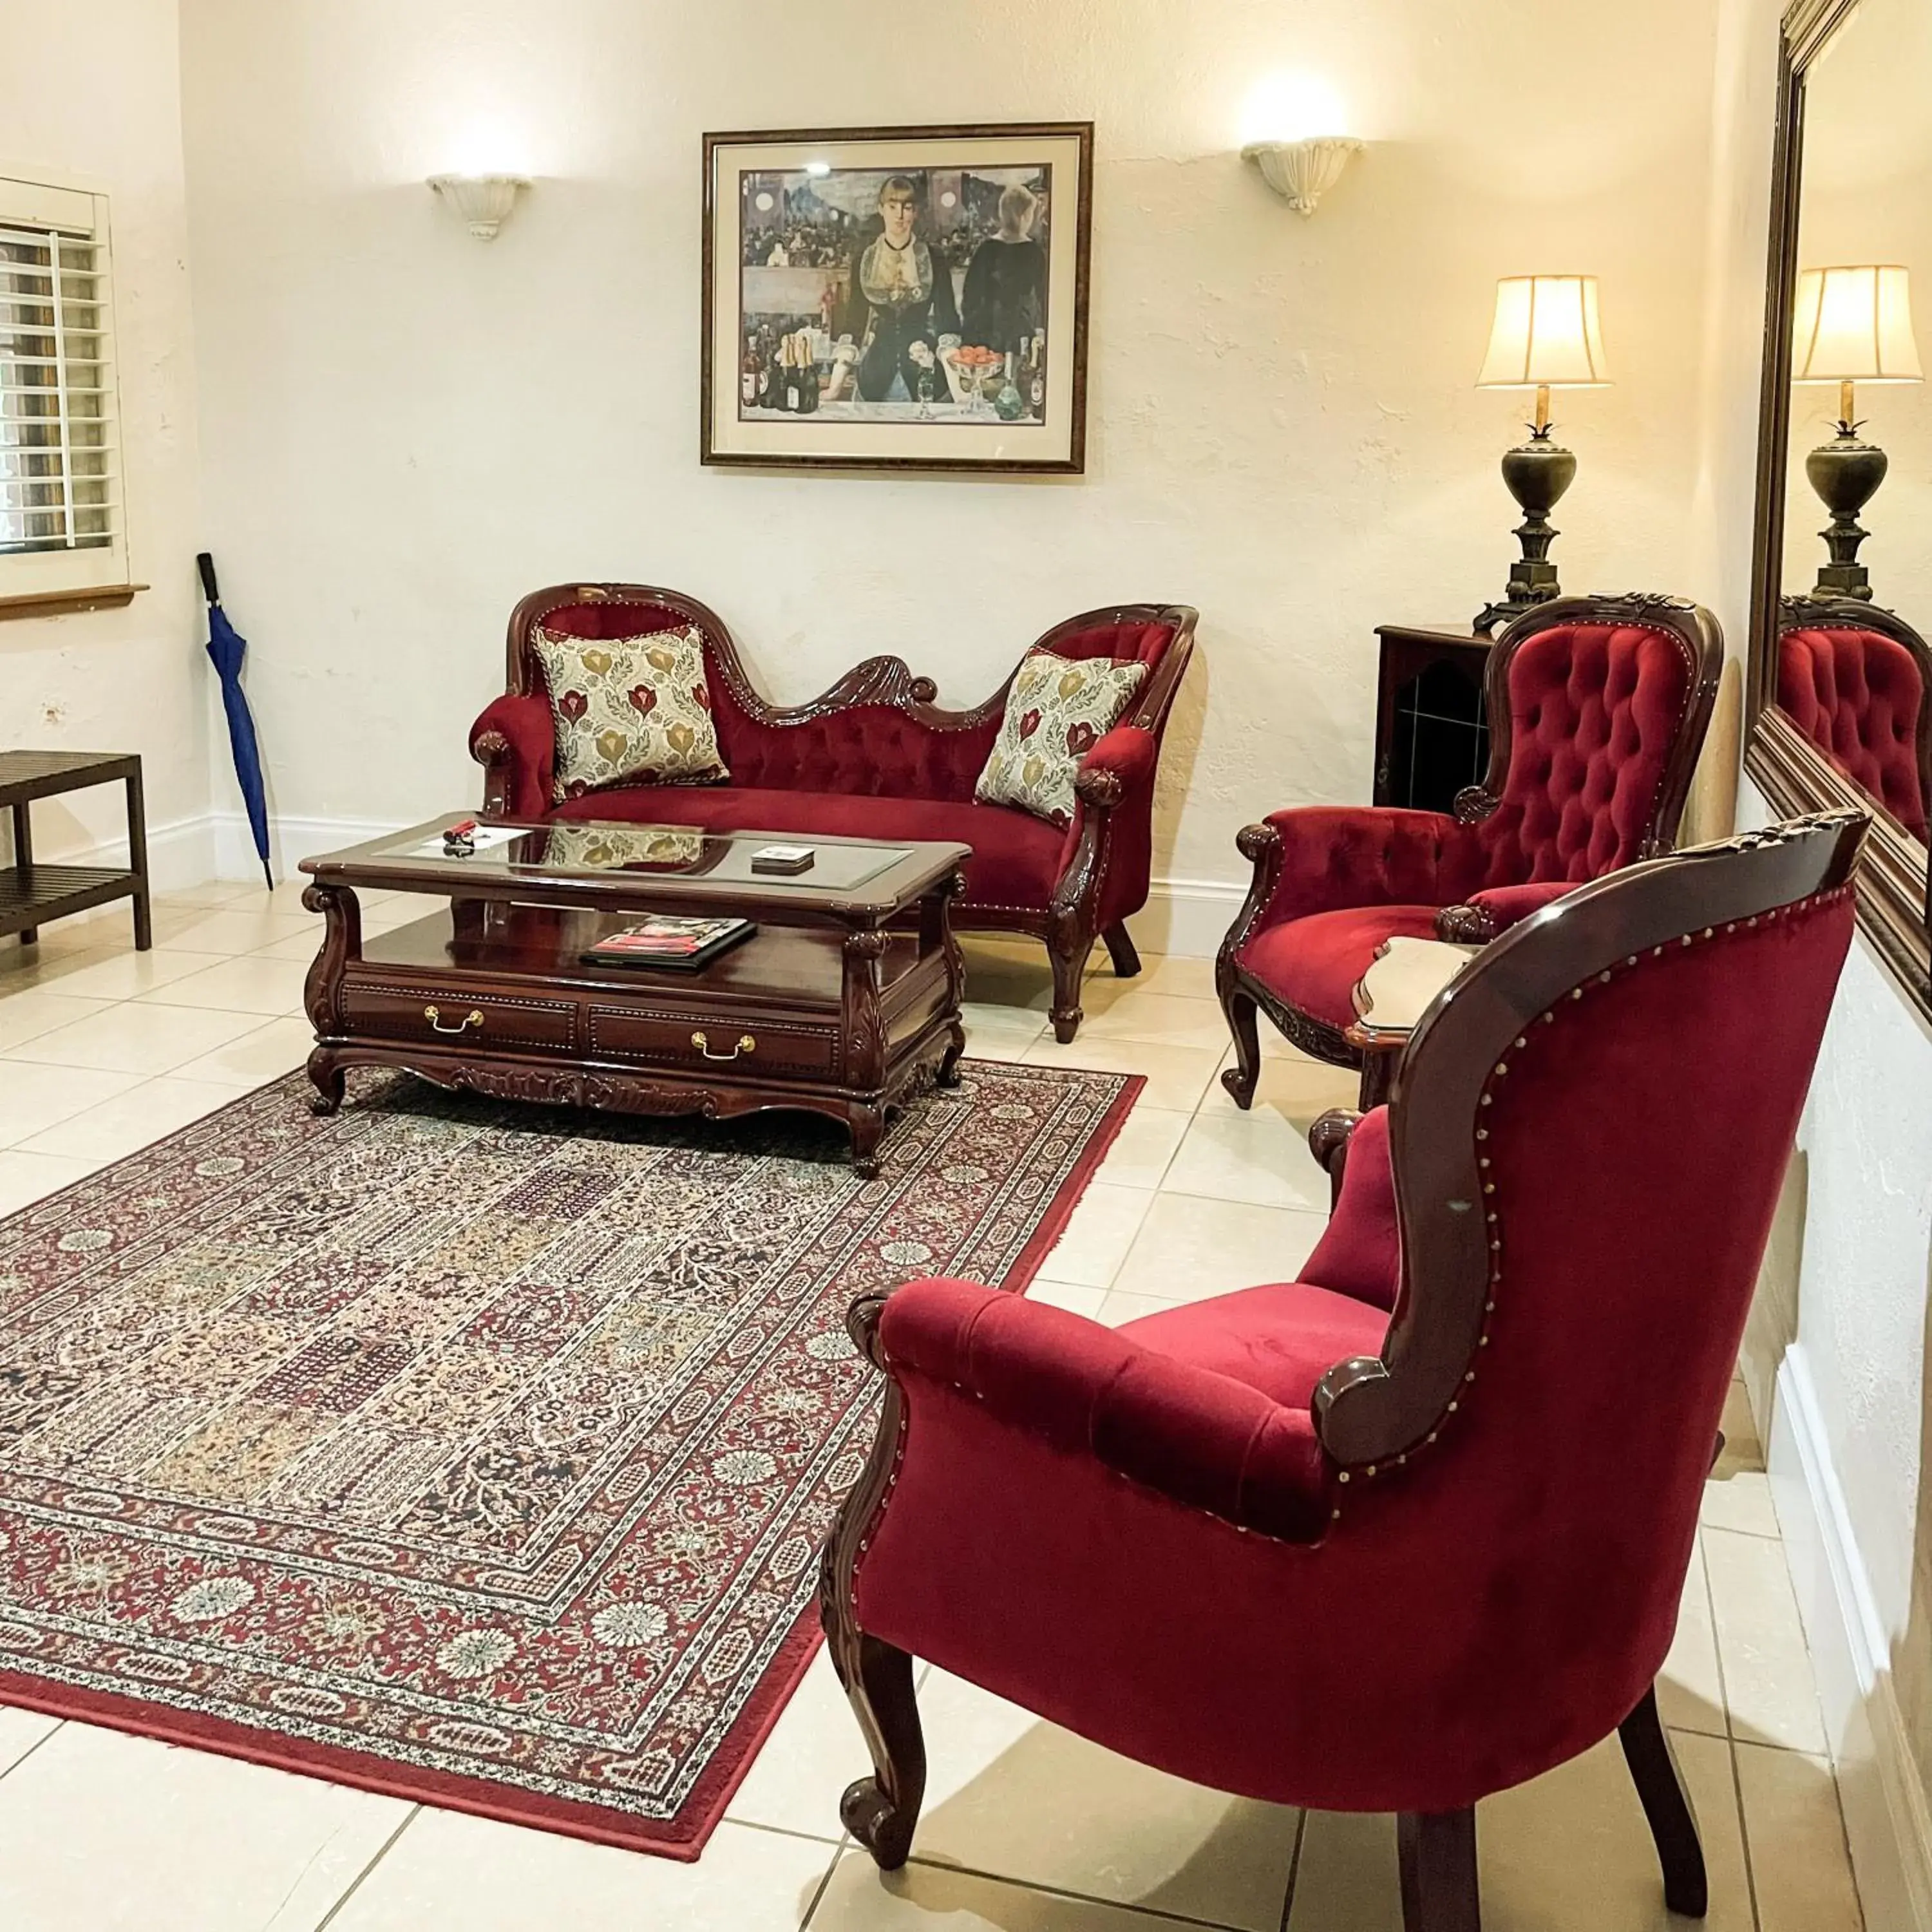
227,648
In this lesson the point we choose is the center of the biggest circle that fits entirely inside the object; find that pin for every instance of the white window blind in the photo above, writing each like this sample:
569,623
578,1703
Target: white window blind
61,527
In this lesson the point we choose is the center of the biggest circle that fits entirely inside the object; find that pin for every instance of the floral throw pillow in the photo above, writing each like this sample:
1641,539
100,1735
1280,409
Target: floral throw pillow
629,711
1057,709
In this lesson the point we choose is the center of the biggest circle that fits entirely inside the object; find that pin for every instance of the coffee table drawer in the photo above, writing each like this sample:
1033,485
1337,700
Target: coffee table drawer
693,1041
425,1013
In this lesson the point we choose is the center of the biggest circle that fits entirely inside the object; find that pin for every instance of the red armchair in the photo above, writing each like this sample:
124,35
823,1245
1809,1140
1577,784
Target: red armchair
1412,1529
1855,679
1598,706
875,757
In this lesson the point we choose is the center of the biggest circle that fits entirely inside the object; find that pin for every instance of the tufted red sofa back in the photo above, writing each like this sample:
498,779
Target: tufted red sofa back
868,750
1859,695
1594,712
873,751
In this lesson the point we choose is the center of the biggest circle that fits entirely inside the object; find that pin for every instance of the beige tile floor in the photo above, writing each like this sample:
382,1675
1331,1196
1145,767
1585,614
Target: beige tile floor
1027,1827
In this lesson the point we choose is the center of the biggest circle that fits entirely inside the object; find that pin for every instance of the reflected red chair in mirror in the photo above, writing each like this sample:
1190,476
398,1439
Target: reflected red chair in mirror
1597,708
1414,1528
1854,680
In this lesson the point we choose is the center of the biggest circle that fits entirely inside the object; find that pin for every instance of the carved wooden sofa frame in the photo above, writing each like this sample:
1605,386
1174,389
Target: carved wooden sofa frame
1109,841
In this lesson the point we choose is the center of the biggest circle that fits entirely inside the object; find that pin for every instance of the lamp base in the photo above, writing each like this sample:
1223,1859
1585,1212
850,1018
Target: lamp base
1846,473
1536,473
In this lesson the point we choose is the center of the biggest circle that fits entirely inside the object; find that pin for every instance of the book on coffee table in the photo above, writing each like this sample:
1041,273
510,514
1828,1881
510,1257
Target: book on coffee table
684,944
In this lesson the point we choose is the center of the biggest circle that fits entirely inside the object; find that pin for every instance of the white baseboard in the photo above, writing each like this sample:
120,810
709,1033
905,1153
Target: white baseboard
290,841
179,854
1188,916
1887,1818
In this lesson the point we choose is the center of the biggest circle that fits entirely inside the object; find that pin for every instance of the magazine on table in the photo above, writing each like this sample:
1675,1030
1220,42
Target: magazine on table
665,939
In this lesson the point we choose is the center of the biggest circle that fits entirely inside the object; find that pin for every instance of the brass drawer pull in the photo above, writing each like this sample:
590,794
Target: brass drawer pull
472,1018
746,1044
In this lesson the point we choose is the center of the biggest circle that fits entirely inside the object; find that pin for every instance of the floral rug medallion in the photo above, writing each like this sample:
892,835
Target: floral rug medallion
476,1454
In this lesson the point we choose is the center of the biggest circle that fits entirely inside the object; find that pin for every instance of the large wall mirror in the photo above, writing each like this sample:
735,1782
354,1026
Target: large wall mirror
1841,671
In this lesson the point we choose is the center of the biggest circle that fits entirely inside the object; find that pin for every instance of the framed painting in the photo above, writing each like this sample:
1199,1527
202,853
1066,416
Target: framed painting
897,298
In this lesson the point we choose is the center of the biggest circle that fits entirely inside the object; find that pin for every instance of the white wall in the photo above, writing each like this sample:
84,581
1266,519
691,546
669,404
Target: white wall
132,679
405,429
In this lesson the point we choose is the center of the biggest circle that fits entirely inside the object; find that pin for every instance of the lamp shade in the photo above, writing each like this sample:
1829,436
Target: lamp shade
1546,332
1854,325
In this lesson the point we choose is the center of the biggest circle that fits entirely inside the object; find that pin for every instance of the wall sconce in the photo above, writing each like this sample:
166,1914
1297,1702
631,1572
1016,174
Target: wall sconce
1294,127
482,202
1302,171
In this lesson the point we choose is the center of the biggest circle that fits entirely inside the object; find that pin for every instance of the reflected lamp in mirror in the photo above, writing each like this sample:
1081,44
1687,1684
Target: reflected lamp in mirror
1853,325
1547,335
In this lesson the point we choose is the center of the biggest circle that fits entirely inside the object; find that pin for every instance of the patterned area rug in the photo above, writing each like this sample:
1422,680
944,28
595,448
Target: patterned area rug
475,1454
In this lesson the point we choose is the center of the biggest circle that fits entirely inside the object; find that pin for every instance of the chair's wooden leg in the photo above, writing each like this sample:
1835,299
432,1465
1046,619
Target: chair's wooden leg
1068,948
1239,1078
1666,1804
1438,1850
1120,950
880,1811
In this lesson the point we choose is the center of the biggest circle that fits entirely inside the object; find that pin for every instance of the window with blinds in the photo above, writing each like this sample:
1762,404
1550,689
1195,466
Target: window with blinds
60,523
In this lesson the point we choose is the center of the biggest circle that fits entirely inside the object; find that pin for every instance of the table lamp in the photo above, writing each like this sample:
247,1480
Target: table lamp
1853,324
1545,336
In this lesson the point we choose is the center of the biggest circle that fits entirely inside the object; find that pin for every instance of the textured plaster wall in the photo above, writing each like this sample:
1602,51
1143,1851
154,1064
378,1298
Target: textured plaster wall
405,429
130,679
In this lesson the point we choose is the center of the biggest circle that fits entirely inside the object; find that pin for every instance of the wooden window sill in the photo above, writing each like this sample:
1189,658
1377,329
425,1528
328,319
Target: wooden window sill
55,603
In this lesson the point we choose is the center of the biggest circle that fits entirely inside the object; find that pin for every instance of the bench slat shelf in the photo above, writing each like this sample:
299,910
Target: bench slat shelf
31,895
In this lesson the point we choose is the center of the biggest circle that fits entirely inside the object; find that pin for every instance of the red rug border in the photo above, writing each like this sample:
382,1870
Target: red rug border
683,1837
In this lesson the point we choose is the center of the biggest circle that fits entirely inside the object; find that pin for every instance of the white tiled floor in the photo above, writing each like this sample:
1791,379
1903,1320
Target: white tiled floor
1026,1829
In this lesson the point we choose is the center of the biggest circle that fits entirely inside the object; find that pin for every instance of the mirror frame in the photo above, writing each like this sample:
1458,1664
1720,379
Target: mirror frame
1894,887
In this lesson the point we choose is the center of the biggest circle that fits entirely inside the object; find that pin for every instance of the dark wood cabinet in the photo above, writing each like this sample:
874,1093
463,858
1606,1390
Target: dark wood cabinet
1432,723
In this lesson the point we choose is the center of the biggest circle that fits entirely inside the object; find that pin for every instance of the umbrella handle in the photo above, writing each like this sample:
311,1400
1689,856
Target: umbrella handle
205,563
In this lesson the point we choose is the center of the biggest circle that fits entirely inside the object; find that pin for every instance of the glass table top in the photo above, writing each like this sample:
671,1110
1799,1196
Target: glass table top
587,848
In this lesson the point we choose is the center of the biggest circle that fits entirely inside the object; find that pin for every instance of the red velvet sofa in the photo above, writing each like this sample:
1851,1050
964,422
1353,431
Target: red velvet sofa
875,757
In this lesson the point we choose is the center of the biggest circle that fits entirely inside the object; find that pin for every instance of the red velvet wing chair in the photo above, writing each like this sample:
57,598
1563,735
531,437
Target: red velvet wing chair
1597,708
1414,1528
1855,679
875,757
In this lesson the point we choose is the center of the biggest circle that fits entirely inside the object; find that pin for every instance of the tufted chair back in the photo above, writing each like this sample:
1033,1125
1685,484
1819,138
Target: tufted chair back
1859,696
1598,707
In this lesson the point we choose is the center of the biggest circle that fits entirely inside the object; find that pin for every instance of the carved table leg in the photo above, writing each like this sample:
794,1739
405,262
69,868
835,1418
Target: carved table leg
869,1129
328,1077
341,942
936,929
1378,1066
948,1074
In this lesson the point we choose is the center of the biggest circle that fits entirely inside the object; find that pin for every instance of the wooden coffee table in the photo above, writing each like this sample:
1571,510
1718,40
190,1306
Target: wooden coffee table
845,1001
